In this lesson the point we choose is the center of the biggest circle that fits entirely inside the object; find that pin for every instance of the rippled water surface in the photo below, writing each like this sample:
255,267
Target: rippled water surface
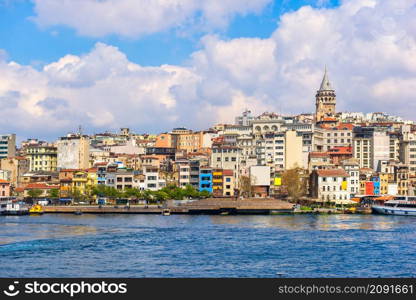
58,245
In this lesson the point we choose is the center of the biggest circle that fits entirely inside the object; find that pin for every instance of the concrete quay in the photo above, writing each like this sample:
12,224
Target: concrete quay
230,206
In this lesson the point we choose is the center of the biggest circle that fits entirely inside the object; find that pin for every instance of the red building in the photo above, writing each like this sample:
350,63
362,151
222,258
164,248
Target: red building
369,188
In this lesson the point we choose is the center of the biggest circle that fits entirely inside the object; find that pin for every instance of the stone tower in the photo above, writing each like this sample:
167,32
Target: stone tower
325,100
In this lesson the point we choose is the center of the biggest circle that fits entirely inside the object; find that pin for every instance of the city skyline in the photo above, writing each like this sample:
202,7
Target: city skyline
268,56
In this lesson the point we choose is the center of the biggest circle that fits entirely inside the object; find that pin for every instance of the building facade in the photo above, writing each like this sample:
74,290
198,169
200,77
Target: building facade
7,145
42,158
73,152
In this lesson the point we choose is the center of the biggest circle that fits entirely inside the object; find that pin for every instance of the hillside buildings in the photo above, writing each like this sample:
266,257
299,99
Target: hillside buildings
342,154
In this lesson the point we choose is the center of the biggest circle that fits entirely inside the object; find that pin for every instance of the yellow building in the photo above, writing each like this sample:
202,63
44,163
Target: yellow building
82,181
42,158
79,181
217,182
184,139
384,183
228,183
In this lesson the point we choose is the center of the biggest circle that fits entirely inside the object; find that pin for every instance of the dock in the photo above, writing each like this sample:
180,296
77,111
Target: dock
210,206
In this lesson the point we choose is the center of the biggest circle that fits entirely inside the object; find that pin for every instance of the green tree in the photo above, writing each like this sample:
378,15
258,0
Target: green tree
132,193
245,186
99,190
294,183
148,196
112,192
204,194
160,196
190,192
53,193
77,196
34,193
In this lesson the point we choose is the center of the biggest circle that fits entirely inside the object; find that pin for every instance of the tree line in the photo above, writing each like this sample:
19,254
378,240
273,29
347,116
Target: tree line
170,192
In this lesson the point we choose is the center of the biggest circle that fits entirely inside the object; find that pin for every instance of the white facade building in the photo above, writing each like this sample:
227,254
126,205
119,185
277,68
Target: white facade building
73,152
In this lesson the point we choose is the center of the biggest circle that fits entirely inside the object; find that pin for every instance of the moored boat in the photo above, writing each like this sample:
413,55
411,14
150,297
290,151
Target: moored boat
16,208
400,206
36,209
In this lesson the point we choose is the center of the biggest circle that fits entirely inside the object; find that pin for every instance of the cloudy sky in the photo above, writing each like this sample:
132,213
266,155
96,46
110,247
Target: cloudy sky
152,65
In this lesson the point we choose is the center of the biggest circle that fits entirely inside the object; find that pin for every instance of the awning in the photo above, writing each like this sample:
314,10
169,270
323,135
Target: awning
384,198
346,202
65,199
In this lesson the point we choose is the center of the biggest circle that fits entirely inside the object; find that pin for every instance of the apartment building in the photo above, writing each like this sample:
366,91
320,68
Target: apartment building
330,185
352,167
205,179
42,157
73,152
337,136
371,145
7,145
228,183
226,157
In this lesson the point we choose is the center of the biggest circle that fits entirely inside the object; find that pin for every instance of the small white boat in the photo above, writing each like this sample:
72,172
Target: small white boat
16,208
399,206
166,212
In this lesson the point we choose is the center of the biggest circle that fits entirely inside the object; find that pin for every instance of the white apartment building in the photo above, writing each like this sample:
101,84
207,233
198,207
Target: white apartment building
338,136
188,173
152,181
226,157
352,167
73,152
371,146
330,185
280,150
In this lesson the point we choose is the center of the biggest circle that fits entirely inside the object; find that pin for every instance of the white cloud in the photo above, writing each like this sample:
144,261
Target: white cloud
371,68
134,18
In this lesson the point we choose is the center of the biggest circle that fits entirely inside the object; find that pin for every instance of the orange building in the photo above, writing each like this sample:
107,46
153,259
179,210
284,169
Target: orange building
4,188
164,140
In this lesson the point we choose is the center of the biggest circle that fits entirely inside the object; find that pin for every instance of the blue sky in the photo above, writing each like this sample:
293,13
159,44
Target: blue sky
26,43
156,65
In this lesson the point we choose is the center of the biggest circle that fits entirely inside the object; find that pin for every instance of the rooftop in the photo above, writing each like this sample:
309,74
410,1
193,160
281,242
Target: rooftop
332,173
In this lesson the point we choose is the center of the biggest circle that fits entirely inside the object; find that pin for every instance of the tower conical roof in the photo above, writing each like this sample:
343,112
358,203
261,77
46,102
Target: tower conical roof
325,85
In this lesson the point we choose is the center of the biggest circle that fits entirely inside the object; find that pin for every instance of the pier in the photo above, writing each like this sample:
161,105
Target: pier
205,206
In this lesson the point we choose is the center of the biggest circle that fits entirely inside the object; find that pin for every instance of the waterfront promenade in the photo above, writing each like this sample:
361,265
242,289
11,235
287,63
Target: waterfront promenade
206,206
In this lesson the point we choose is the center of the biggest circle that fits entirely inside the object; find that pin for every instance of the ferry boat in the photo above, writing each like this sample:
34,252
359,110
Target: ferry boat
36,209
16,208
3,205
400,206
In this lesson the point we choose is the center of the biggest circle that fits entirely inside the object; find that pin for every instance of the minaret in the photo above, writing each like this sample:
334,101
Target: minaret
325,100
